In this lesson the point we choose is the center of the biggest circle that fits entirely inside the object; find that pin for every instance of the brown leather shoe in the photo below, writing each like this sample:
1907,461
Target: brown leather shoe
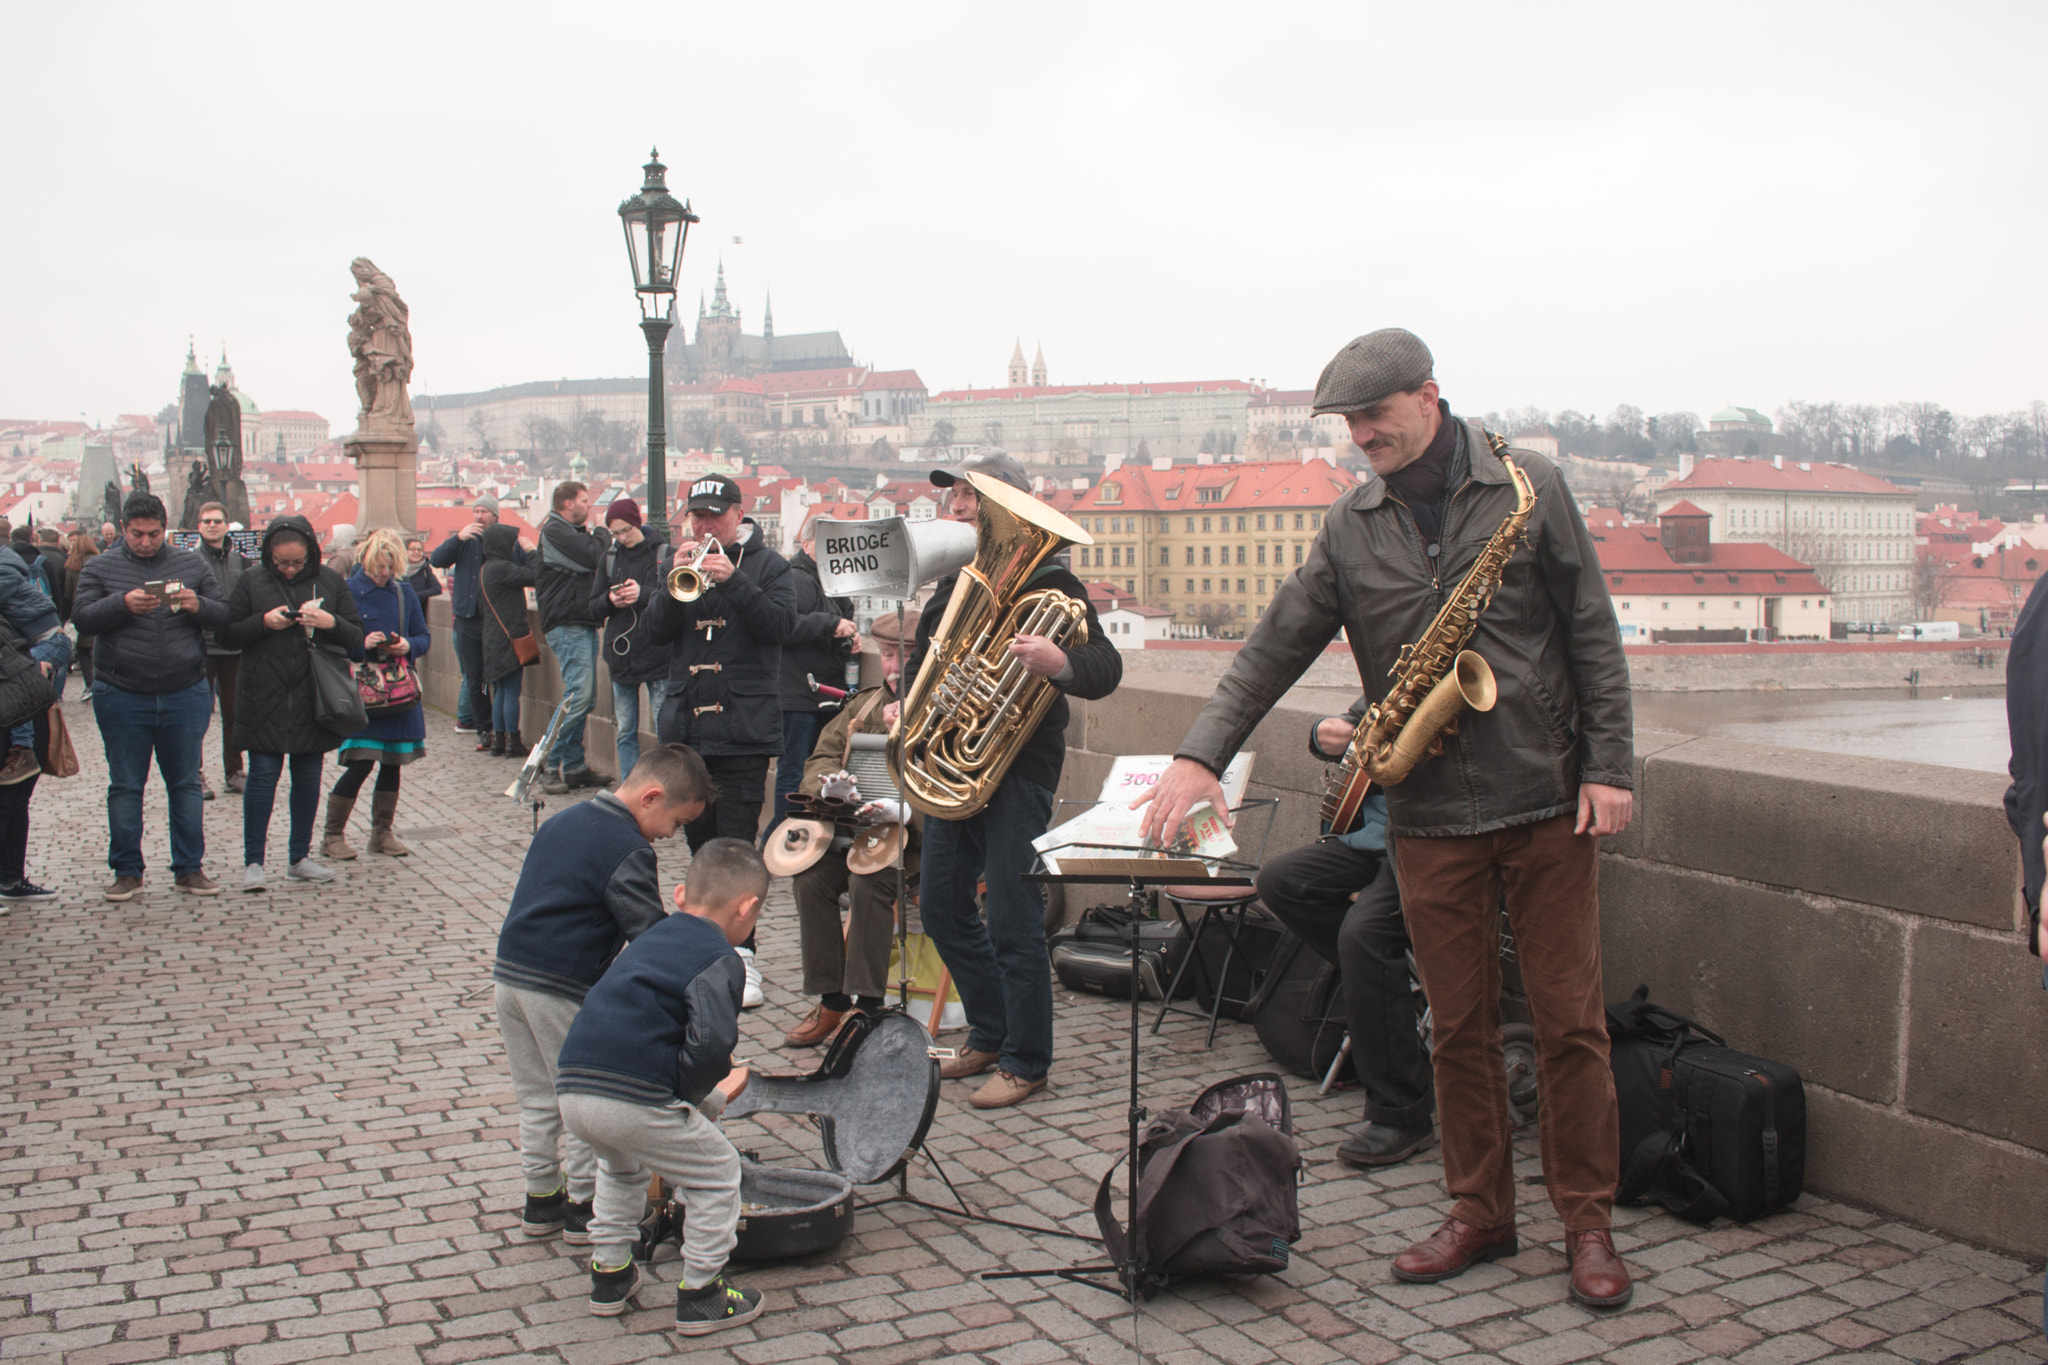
1004,1089
967,1062
1452,1250
817,1026
1599,1279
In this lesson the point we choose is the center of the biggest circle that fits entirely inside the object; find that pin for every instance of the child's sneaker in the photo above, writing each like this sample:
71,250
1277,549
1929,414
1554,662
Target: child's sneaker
576,1222
543,1214
611,1291
718,1304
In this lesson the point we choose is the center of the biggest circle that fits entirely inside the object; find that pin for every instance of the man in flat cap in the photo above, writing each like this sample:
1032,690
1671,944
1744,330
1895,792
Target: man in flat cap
1511,810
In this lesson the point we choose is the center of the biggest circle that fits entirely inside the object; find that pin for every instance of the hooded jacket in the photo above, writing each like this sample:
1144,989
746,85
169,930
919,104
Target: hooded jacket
466,558
629,649
1563,715
813,650
274,687
501,606
725,670
163,651
568,561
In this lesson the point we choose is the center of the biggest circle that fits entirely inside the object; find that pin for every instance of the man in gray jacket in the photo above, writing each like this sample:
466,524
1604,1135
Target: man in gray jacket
1512,808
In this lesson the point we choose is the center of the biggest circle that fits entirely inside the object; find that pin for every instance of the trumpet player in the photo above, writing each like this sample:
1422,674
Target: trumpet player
724,647
1000,966
1515,804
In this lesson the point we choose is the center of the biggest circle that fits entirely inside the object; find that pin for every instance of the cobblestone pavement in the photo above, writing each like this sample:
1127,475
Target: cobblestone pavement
273,1128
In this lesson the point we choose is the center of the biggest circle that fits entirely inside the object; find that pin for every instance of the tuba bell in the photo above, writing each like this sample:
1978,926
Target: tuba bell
972,706
686,582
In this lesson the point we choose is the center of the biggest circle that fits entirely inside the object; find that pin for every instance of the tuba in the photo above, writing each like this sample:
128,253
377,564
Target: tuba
1435,678
972,706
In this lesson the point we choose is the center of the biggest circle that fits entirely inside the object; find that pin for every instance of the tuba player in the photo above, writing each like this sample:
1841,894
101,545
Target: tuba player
1000,966
1515,804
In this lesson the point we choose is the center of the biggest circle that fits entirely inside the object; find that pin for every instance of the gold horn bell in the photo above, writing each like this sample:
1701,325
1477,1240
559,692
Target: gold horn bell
973,706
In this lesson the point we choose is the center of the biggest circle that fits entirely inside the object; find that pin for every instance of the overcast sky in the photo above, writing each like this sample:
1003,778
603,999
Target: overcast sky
1574,205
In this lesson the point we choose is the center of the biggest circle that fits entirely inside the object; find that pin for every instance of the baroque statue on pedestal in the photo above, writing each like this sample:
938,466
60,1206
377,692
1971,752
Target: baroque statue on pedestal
380,339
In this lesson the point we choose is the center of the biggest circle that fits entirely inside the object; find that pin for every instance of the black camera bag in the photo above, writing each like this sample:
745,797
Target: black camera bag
1094,956
1706,1131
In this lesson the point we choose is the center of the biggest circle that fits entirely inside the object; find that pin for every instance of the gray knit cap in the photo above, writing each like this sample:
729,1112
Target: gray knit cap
1369,368
488,503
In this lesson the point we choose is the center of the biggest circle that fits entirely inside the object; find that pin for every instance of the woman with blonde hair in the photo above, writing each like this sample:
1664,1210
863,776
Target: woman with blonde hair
395,627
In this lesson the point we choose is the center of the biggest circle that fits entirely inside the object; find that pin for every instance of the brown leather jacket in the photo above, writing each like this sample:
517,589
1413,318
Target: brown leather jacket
1563,716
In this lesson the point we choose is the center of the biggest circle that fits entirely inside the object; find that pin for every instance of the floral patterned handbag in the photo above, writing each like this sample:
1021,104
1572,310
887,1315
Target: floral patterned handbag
388,685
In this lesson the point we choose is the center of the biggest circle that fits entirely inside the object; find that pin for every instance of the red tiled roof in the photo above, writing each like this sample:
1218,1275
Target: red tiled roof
1285,398
1636,560
792,381
295,413
1250,486
740,386
892,379
1130,390
1684,508
1793,478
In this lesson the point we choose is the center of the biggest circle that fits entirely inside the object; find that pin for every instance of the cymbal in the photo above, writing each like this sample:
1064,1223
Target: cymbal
874,848
796,845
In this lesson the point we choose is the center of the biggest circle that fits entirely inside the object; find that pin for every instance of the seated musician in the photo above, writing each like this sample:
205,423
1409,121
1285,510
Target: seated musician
1311,890
850,971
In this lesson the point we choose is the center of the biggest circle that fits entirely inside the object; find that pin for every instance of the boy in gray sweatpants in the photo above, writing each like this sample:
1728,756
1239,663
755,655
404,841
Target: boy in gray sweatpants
644,1074
589,886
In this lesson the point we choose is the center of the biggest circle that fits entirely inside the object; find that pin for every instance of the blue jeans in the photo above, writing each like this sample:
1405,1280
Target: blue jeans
259,794
172,726
800,731
626,712
575,649
504,713
472,705
1001,968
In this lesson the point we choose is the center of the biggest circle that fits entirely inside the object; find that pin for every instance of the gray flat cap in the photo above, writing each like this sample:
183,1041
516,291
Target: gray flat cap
1369,368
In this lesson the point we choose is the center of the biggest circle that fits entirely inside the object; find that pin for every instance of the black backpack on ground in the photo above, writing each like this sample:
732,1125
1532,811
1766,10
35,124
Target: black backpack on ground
1216,1187
1257,943
1706,1131
1298,1012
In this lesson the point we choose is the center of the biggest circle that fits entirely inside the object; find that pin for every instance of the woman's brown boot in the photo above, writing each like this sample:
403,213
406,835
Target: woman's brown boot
383,810
516,747
335,845
498,744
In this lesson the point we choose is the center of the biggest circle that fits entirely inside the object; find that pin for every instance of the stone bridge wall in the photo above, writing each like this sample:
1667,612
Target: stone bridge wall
1854,918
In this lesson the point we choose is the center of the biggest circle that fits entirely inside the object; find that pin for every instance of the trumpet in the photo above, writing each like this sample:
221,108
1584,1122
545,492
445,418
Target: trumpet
686,582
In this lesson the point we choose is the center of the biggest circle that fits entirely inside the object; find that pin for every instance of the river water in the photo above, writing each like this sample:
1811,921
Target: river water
1963,727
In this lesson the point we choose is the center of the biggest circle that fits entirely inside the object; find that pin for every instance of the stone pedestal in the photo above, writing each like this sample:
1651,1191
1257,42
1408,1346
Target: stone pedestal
387,481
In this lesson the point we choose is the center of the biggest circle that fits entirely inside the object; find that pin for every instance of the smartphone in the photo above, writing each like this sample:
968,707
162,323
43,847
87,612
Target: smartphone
155,587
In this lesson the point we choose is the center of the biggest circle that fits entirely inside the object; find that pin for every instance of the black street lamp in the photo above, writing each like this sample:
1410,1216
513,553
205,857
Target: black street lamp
656,225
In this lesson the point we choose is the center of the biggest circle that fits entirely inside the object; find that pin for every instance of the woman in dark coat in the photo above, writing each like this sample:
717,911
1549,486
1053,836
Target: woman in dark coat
277,613
502,584
395,627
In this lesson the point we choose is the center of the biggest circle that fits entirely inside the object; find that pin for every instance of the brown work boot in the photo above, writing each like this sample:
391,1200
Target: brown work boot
335,843
967,1062
515,747
1004,1089
818,1025
1599,1279
384,810
123,889
1452,1250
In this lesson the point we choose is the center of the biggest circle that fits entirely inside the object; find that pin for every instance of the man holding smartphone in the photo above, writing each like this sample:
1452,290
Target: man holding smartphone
148,605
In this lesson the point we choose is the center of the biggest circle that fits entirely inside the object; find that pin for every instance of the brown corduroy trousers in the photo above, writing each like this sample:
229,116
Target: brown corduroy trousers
1451,891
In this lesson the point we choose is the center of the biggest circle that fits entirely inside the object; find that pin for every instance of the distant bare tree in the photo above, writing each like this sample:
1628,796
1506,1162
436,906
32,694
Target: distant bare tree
1211,616
1931,583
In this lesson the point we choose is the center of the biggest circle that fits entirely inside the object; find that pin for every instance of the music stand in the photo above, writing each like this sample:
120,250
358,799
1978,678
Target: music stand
1138,869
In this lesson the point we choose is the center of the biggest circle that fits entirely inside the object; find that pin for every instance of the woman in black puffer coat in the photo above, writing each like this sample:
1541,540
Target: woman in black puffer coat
274,707
502,585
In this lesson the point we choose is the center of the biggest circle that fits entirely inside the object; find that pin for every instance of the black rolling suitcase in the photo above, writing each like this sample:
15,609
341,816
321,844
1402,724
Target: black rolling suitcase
1706,1131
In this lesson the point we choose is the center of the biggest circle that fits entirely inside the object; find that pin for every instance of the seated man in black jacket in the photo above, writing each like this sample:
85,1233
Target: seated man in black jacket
1339,896
1000,966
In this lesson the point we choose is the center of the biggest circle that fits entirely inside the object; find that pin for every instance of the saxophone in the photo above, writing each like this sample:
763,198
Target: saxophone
973,706
1435,678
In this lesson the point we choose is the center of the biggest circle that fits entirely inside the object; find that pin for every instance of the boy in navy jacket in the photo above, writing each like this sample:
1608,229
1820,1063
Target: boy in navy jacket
589,886
645,1073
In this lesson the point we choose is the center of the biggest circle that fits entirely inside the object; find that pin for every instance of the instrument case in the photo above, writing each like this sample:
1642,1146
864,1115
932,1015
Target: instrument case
1094,956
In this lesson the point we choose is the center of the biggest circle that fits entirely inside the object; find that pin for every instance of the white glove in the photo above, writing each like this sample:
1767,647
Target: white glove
889,811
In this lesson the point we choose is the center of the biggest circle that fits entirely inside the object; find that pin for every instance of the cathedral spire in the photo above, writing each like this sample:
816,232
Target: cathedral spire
721,304
768,316
191,357
1018,377
1038,368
